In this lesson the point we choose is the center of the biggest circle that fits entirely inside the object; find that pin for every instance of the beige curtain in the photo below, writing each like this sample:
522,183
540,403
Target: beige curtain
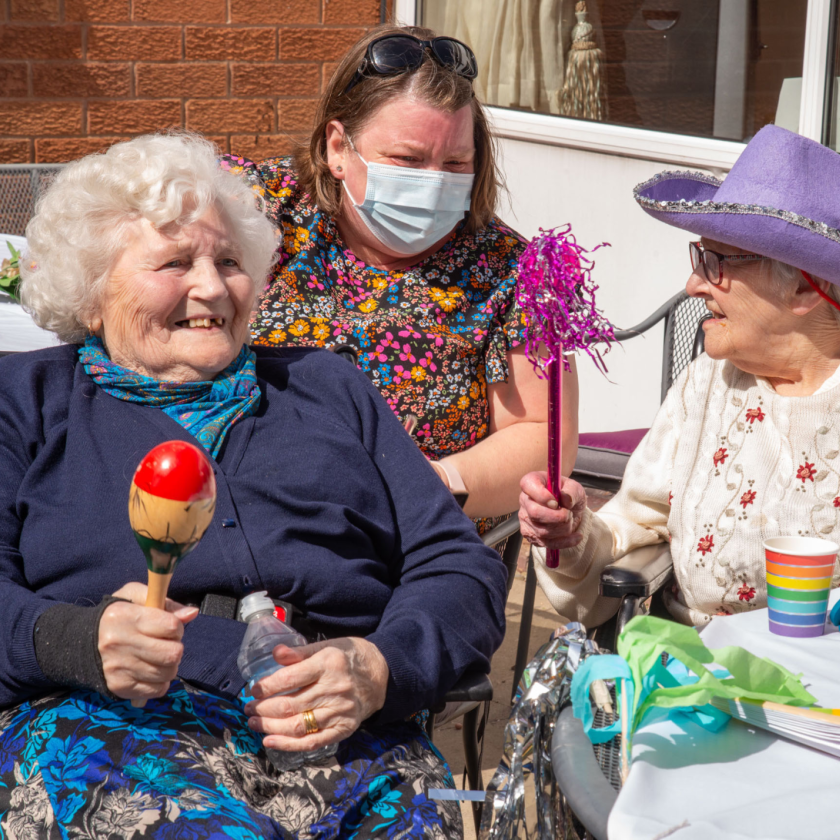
520,46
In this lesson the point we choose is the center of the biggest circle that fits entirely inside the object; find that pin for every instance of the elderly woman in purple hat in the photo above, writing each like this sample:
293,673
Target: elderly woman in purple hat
746,445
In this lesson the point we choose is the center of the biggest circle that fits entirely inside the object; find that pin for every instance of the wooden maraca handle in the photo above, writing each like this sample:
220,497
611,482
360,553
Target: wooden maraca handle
155,597
158,587
170,505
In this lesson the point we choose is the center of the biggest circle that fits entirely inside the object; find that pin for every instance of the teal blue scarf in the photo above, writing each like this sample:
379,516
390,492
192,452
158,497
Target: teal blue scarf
207,410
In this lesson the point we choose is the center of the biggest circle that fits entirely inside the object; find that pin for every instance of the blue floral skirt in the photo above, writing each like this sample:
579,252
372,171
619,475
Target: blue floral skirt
78,765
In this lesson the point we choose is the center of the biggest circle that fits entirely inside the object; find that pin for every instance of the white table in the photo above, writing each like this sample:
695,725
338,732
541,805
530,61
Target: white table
689,784
17,330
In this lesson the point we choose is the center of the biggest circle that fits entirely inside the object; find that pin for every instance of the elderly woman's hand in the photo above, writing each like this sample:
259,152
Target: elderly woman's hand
141,647
545,522
341,681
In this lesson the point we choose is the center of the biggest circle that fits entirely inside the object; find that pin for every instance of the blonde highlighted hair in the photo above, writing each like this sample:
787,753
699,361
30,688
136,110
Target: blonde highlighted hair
431,84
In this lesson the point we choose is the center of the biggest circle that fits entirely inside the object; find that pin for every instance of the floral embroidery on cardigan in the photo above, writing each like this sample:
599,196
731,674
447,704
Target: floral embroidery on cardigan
720,456
706,544
754,414
748,498
806,472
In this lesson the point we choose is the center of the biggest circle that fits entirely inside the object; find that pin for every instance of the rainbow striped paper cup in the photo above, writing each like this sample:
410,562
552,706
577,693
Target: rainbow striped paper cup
799,573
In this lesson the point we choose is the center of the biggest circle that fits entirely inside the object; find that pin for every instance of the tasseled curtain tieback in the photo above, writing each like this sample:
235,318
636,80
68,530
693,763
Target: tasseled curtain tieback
582,93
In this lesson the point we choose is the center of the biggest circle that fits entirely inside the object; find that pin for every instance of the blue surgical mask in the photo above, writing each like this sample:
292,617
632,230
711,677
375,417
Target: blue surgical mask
409,210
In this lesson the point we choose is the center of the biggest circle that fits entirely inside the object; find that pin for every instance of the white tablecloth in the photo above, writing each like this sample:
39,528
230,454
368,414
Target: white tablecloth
17,329
689,784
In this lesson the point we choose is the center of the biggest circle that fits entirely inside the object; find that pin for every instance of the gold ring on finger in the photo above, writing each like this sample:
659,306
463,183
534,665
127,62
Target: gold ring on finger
310,723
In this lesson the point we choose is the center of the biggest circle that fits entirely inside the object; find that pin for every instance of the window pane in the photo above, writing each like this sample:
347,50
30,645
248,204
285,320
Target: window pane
714,68
831,139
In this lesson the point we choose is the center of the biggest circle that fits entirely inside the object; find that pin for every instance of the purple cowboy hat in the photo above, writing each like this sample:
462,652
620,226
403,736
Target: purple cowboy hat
781,200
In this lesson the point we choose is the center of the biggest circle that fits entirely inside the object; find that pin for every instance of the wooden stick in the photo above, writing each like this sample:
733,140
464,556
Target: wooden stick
625,734
155,597
830,716
601,696
158,587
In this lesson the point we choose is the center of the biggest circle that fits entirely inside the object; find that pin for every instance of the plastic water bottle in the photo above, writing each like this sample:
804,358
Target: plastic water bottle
256,661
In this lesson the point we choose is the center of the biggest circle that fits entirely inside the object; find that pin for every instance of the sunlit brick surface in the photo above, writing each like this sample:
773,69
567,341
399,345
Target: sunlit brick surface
79,75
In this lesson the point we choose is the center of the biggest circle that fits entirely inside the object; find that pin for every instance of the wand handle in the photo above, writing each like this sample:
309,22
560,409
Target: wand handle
555,439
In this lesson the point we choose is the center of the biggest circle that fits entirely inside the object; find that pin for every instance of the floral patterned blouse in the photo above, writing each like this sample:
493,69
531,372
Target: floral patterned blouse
430,337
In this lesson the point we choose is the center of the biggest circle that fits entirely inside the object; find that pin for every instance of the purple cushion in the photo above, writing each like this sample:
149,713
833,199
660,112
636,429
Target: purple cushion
624,441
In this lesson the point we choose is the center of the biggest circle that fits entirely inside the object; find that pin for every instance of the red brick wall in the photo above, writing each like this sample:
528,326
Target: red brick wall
78,75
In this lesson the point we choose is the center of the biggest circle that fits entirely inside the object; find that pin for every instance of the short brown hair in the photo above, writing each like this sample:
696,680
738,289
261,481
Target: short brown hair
437,86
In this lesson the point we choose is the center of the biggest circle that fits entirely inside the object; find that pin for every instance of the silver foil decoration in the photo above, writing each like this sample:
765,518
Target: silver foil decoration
523,801
703,207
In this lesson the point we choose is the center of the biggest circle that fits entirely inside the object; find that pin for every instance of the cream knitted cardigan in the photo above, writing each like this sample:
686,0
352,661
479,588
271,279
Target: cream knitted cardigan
727,464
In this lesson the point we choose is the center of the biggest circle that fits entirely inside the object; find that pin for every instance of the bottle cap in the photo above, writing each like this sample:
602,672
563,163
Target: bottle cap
254,603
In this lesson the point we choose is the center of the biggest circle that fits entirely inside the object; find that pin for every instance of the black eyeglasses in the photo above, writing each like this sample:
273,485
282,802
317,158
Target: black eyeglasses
394,54
712,261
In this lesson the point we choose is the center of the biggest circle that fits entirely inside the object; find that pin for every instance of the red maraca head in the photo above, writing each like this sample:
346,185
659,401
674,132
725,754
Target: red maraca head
171,502
176,470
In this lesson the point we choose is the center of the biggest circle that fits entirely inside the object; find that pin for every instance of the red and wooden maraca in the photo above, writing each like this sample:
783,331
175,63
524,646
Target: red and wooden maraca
170,505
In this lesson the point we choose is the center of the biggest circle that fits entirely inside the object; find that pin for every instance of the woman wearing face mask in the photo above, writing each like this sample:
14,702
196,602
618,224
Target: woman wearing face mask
391,245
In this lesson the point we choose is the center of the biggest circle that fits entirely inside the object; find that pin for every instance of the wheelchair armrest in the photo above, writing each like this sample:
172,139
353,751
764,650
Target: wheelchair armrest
501,532
587,790
641,572
471,686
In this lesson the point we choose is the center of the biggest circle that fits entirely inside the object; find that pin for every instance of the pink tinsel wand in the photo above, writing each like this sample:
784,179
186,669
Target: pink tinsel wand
557,295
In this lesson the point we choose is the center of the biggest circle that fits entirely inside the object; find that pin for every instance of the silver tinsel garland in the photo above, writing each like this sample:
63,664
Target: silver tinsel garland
523,801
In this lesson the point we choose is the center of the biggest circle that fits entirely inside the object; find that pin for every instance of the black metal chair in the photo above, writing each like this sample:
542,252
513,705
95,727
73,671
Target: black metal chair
603,456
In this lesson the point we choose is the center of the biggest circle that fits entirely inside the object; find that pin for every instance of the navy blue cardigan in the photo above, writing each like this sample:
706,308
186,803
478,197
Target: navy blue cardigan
336,511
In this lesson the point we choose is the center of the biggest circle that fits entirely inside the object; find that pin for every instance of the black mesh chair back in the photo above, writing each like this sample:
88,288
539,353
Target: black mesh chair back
683,337
21,185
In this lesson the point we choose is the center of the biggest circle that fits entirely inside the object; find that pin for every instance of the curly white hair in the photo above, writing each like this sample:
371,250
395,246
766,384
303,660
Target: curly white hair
80,224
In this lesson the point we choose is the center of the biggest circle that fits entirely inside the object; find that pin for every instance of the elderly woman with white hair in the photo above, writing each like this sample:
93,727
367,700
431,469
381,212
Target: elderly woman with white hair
146,261
747,443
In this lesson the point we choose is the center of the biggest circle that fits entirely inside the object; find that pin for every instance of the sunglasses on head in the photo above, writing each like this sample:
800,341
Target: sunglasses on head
394,54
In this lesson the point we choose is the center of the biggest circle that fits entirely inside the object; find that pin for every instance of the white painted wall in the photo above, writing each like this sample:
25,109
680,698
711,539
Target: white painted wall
647,263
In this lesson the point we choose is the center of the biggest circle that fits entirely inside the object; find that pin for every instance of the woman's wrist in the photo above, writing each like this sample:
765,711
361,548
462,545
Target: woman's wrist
453,478
378,672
